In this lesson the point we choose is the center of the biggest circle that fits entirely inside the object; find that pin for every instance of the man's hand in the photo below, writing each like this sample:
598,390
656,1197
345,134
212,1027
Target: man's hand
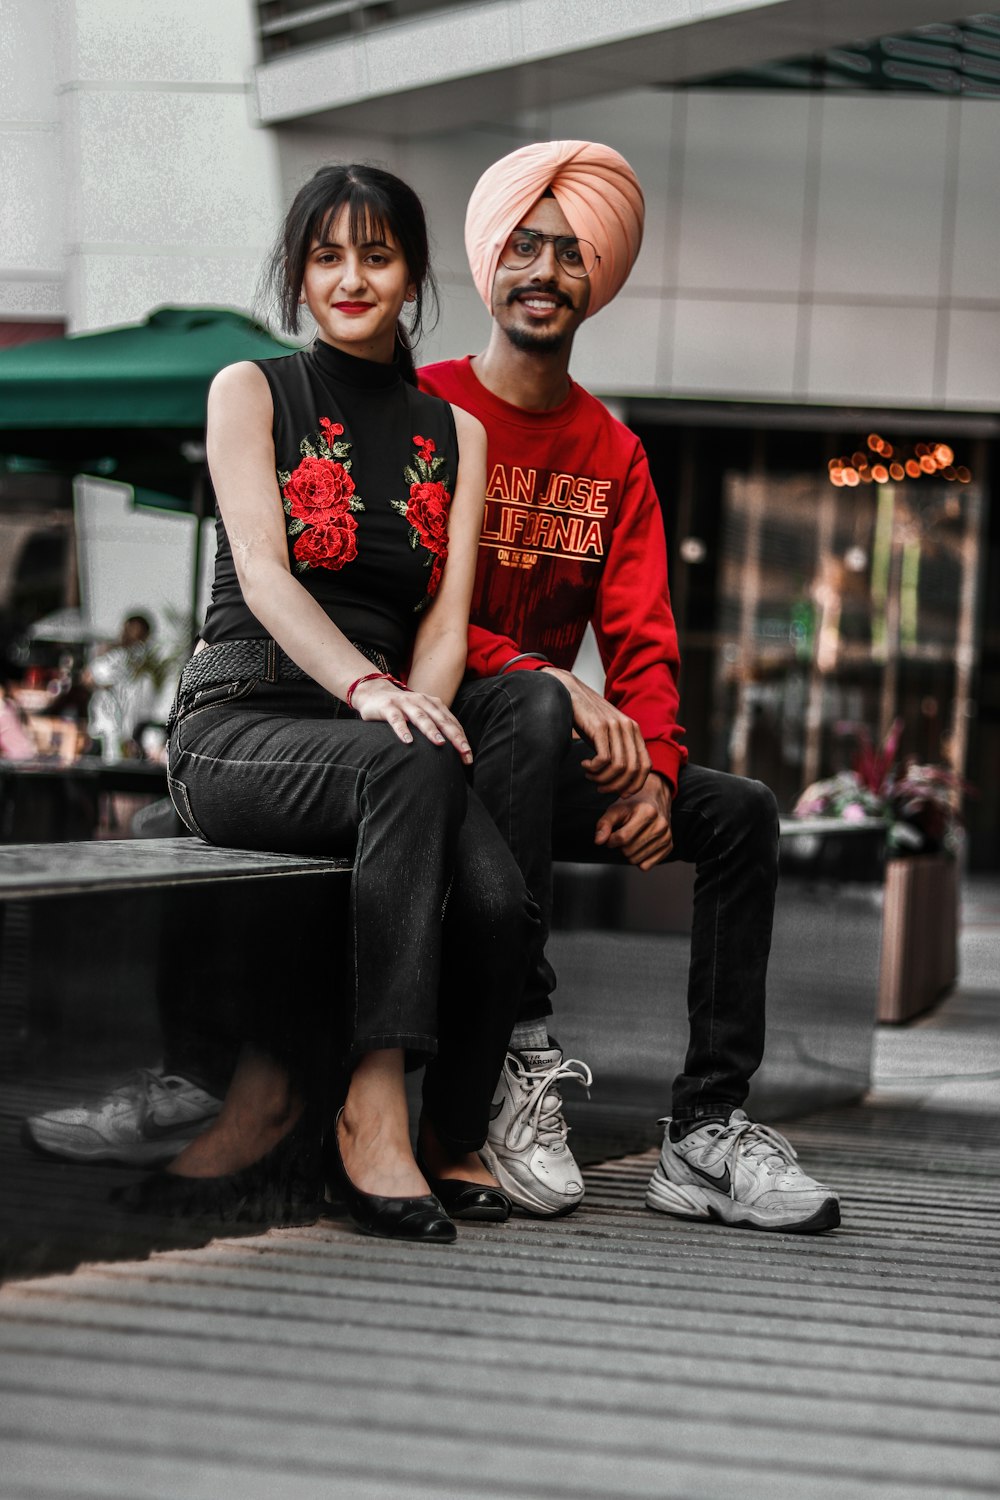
639,825
620,762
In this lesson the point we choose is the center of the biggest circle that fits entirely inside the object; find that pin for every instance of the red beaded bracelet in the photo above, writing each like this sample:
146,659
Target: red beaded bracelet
372,677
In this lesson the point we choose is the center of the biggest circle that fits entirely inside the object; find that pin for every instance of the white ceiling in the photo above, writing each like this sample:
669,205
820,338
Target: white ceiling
484,62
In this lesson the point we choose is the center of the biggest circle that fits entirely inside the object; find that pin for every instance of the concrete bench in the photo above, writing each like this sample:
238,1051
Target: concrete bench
29,872
620,947
98,906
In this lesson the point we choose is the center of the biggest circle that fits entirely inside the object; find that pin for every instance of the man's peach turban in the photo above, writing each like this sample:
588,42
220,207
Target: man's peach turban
594,186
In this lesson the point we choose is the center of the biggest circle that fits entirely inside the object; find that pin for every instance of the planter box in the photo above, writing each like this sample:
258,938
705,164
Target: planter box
919,935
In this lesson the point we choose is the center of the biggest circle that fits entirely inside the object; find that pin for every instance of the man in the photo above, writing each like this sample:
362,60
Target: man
123,692
573,533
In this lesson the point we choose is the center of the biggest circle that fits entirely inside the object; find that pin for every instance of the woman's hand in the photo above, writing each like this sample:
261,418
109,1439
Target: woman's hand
381,699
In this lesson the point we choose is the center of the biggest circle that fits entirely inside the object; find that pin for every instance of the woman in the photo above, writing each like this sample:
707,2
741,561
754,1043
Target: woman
16,742
350,508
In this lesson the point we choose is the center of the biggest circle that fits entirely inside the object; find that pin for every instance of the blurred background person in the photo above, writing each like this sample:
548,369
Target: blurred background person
123,692
16,742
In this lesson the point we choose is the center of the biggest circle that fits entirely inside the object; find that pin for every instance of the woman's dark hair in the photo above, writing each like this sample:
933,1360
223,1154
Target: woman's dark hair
376,202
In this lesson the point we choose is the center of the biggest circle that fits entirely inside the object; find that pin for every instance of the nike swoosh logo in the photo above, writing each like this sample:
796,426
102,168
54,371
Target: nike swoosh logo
723,1184
495,1109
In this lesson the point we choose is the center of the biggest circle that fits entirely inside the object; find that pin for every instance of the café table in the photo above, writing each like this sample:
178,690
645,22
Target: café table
47,801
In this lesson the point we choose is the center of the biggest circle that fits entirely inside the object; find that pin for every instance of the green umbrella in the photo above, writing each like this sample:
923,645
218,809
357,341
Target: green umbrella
151,374
127,404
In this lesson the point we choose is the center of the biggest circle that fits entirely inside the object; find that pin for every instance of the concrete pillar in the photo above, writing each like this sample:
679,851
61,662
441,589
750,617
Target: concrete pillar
171,190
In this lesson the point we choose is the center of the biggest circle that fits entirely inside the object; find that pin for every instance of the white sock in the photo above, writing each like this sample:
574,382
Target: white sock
529,1036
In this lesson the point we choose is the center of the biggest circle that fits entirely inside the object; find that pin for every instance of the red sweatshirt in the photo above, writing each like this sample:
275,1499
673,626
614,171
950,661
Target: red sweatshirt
572,533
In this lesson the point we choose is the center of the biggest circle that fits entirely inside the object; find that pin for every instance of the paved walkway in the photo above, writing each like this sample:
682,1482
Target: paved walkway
612,1354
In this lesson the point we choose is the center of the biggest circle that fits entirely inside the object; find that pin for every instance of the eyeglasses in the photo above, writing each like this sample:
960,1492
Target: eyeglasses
577,257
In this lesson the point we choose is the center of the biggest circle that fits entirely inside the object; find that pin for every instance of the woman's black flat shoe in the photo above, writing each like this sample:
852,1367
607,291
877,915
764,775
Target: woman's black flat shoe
285,1187
421,1219
468,1200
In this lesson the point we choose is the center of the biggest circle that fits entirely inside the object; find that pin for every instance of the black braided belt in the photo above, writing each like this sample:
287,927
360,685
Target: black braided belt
245,661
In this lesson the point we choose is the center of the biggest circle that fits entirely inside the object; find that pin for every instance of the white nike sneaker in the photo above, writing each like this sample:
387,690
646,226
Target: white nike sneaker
148,1118
742,1174
526,1148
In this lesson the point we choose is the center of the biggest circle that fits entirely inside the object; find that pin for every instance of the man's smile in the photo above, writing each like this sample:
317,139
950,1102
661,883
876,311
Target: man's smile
541,302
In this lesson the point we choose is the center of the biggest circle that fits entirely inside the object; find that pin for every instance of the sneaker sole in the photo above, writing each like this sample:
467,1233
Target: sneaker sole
521,1196
139,1154
686,1201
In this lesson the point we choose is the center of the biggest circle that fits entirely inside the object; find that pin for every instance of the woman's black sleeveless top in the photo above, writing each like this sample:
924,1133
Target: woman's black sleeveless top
366,467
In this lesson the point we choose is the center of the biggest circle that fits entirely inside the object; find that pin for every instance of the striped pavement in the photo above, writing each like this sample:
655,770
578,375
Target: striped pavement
614,1354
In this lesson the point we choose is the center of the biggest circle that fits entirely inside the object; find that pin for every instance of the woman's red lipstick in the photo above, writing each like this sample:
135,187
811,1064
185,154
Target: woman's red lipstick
353,307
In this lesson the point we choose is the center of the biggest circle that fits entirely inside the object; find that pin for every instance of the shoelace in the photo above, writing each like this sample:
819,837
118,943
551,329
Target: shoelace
748,1138
542,1109
145,1087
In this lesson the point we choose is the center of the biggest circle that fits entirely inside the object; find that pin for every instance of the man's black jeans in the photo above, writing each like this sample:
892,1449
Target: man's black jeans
528,773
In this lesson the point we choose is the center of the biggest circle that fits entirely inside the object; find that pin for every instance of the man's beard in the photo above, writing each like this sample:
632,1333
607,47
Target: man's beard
533,342
536,340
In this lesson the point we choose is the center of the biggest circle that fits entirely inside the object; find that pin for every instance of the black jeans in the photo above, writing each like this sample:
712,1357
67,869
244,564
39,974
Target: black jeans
440,926
528,773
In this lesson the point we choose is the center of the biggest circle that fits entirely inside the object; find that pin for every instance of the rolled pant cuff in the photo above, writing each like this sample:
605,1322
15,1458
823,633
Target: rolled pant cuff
538,1010
711,1109
409,1041
455,1143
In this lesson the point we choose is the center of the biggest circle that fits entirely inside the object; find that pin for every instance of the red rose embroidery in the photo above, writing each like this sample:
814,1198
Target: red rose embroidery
426,510
330,543
330,430
318,485
434,581
427,513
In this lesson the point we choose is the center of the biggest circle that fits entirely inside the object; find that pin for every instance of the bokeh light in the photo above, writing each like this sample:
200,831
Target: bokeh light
927,460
